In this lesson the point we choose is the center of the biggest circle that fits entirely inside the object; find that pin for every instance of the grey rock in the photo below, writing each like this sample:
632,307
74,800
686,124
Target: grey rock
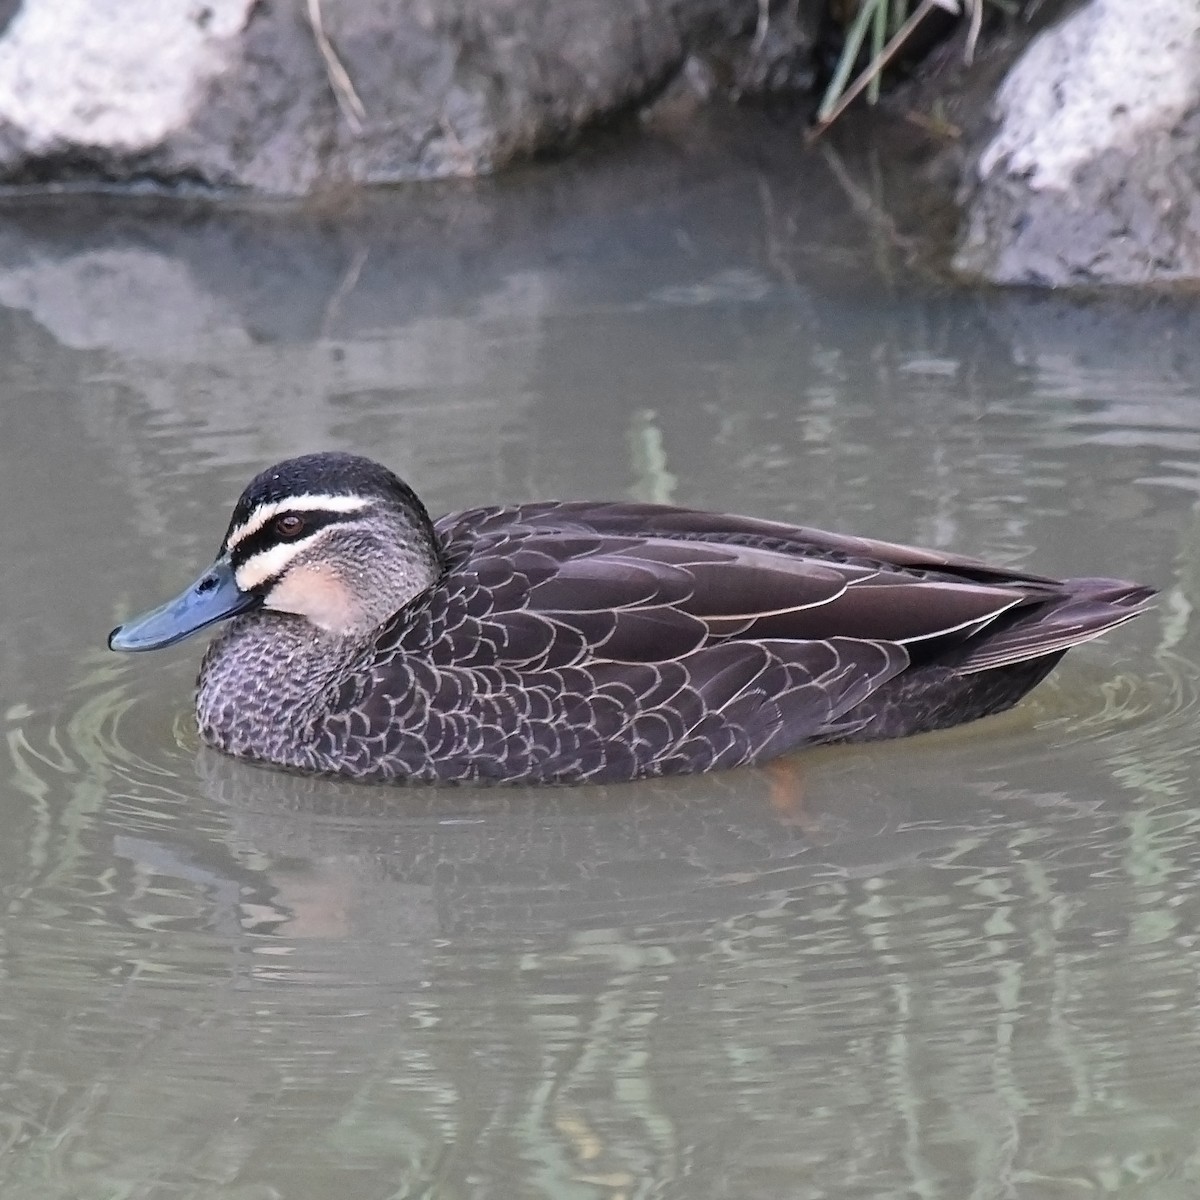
288,97
1092,174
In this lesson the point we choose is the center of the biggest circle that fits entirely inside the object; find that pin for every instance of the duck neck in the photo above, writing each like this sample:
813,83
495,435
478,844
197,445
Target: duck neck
265,682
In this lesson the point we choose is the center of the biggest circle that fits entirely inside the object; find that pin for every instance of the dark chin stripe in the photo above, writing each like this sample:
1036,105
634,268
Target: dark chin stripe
265,538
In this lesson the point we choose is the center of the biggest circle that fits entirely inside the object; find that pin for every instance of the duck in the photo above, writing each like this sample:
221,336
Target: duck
568,641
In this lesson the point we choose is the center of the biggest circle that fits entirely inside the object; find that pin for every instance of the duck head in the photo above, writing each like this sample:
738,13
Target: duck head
334,538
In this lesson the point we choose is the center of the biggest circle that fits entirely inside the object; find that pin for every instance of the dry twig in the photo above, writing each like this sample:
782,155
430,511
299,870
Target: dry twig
340,82
825,119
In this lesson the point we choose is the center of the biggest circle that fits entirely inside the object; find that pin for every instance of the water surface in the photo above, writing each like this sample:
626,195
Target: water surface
960,966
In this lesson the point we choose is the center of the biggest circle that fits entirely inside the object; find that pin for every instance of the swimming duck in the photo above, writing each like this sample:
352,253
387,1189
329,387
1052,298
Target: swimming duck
570,641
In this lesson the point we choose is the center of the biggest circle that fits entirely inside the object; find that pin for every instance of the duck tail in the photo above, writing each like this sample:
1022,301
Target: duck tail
1084,609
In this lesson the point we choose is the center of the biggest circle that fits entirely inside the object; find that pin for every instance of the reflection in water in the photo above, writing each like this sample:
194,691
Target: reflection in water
879,965
963,965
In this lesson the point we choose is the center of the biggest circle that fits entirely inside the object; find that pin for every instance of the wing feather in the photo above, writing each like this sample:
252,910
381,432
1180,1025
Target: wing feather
574,641
565,599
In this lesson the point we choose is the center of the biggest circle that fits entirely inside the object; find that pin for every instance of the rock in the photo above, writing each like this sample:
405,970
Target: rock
1092,174
292,97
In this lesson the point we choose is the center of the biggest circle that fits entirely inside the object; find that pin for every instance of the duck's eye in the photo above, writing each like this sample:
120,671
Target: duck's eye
290,525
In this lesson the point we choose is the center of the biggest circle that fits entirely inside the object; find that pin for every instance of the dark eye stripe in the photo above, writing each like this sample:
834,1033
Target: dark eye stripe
266,537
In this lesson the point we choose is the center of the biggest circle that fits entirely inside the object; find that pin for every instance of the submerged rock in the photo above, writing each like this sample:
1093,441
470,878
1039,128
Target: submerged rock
289,97
1092,175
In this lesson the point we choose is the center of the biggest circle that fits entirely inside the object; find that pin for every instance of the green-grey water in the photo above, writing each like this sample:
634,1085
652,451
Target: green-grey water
962,966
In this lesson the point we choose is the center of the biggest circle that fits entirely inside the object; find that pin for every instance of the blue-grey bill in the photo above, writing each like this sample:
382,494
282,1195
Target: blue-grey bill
213,597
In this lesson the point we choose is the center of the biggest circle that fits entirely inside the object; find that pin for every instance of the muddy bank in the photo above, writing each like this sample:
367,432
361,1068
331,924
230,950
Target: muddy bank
1075,131
286,98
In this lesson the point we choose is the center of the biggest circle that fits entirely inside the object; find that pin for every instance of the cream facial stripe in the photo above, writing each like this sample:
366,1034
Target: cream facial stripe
266,564
307,502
